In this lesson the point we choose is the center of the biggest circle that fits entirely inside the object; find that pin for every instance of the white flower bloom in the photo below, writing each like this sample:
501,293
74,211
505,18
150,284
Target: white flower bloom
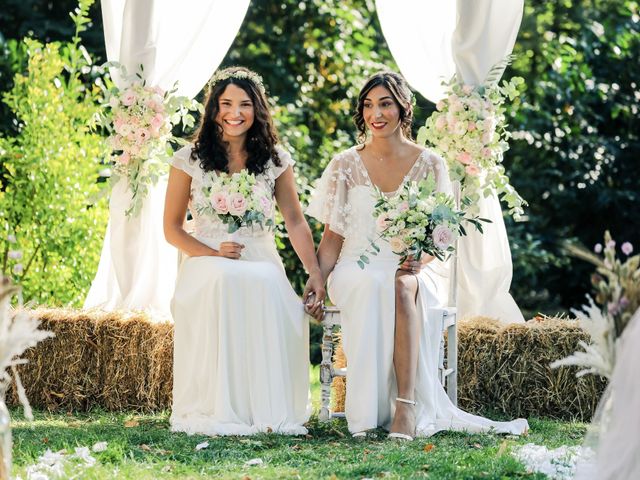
202,445
99,447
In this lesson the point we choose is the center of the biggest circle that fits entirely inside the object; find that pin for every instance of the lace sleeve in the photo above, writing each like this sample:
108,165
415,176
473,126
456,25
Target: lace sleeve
330,199
441,173
182,160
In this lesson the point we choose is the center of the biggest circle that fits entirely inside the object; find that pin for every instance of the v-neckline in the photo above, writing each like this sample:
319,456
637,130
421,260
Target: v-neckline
404,178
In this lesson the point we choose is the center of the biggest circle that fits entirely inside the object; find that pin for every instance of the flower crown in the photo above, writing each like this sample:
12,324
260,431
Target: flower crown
238,74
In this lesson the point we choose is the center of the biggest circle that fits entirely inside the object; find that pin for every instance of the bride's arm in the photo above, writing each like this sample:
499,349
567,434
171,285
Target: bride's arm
175,211
329,251
301,238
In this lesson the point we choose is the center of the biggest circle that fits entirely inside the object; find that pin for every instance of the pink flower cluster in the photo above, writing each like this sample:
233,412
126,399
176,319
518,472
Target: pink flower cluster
238,199
468,130
141,123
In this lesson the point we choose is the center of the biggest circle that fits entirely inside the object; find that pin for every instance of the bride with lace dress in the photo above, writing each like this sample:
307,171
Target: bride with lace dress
391,329
241,353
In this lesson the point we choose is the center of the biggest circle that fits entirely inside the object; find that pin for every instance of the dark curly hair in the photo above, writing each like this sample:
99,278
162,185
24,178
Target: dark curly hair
401,94
209,147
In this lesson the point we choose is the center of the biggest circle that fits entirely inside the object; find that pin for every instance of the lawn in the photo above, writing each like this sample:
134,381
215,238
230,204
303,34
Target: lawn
141,447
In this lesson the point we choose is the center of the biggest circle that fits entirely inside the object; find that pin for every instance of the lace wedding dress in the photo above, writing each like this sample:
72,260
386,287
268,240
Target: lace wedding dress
344,199
241,341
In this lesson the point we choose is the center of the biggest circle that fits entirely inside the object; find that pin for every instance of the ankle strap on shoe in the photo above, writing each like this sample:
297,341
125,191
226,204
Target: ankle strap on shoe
404,400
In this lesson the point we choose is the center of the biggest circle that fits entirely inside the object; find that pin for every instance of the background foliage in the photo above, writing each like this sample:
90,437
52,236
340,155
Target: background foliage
50,164
576,156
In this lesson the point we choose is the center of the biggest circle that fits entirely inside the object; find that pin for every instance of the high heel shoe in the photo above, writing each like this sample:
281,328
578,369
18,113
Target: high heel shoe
402,436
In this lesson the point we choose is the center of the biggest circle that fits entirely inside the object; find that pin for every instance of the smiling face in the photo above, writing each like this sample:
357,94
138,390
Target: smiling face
235,112
380,112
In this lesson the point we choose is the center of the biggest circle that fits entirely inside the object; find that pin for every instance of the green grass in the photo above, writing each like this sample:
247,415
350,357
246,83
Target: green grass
148,450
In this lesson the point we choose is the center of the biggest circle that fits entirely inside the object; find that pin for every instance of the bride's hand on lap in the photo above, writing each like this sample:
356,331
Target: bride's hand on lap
314,295
231,250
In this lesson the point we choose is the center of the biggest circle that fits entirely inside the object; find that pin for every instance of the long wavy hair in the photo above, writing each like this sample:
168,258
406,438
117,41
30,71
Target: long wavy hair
402,97
209,147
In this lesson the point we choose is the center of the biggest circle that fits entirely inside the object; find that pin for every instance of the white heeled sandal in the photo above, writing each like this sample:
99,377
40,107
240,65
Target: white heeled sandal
402,436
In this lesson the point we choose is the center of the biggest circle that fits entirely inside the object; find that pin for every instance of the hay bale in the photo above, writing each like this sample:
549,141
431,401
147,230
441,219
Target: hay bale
112,360
514,376
506,369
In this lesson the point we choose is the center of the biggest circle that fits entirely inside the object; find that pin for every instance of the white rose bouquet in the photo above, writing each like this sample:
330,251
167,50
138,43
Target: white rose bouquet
418,220
238,200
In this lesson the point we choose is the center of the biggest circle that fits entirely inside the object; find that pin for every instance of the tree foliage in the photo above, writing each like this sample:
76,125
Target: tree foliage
577,160
48,190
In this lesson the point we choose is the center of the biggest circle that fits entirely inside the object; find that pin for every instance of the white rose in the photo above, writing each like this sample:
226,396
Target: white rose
397,245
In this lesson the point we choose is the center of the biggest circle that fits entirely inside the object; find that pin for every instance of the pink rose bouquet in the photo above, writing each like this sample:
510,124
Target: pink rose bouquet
468,129
140,119
238,200
418,220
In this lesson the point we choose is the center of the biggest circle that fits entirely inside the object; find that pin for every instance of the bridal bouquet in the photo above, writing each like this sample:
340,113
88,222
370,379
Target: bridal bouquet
140,119
468,129
238,200
418,220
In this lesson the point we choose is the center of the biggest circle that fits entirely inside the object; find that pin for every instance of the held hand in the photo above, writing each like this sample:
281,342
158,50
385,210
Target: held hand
313,296
231,250
414,266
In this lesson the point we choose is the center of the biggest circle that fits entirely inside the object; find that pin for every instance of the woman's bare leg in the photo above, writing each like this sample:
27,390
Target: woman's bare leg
405,350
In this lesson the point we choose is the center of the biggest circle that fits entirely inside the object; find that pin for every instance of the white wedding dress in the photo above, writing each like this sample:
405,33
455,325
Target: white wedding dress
344,199
241,341
610,450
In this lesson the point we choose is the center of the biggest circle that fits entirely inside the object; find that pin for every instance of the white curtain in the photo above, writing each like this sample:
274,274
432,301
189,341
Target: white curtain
430,41
174,41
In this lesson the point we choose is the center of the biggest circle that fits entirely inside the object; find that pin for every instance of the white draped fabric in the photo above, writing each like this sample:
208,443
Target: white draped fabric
180,42
430,41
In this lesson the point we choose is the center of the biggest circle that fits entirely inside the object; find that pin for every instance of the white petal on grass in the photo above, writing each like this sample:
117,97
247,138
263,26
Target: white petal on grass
254,462
99,447
557,464
202,445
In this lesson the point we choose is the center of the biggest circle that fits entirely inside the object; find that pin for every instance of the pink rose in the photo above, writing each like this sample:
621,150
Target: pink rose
403,207
237,204
129,98
464,158
440,105
487,137
142,135
118,122
381,222
467,89
627,248
157,121
486,152
471,127
442,237
472,170
124,158
220,203
441,122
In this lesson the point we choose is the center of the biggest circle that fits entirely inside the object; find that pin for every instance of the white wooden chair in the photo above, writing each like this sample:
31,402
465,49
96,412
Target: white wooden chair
448,367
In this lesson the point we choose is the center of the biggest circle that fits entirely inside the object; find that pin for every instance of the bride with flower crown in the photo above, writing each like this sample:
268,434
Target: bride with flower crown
241,353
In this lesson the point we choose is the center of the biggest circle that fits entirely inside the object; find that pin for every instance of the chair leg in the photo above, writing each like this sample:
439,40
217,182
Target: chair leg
452,363
326,367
